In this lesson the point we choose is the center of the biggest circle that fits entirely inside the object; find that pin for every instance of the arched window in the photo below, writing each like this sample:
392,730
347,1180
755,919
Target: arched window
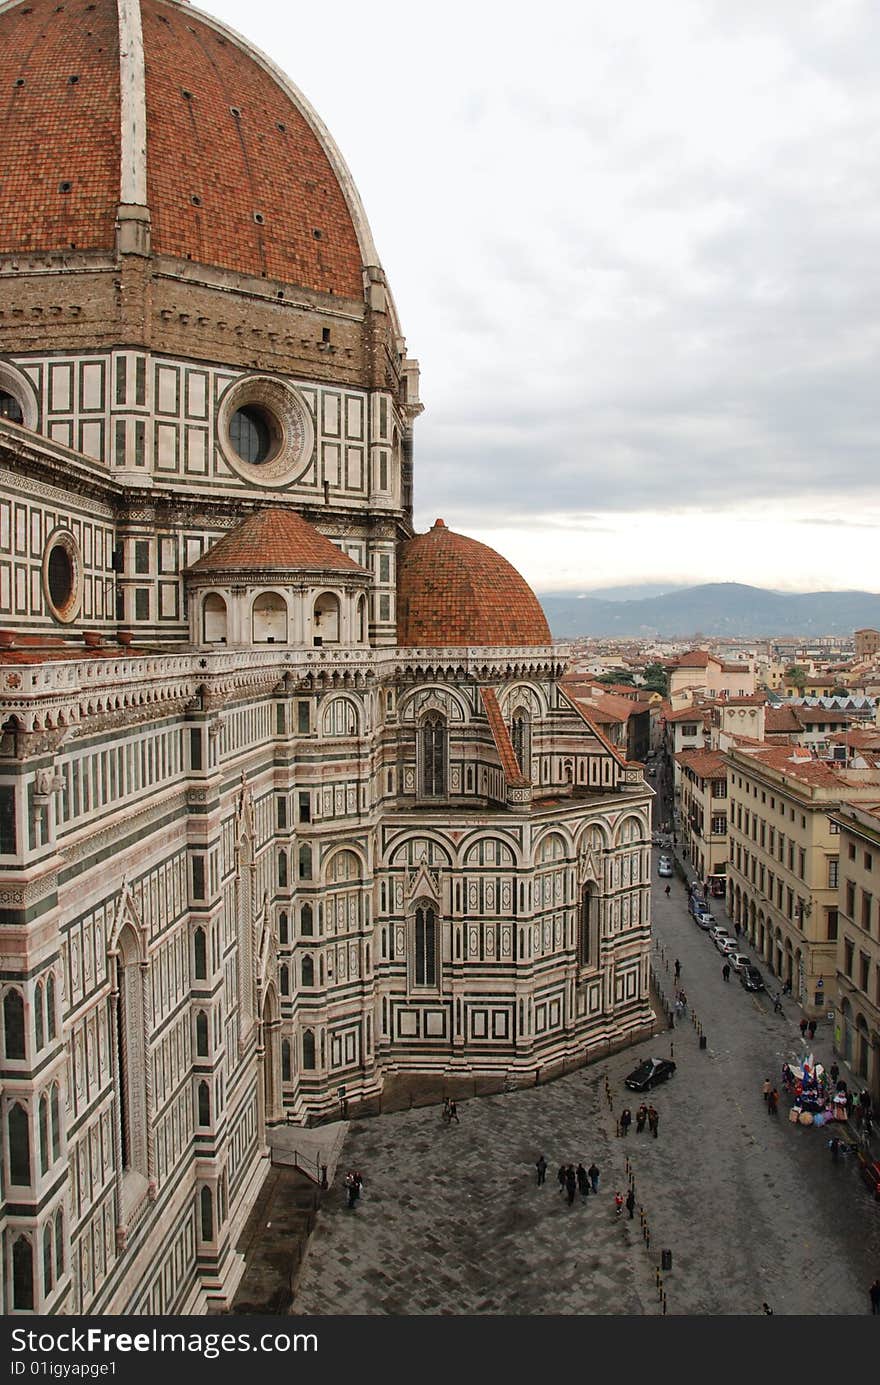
59,1245
284,977
19,1145
50,1006
47,1258
325,619
425,941
307,971
285,1060
10,409
214,619
201,1034
282,869
200,951
434,737
39,1026
362,620
309,1049
521,738
282,926
44,1134
305,862
269,619
306,926
588,928
207,1210
22,1273
204,1103
13,1024
56,1122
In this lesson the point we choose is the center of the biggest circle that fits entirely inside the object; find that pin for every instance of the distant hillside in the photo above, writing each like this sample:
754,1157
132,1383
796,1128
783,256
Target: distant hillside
717,608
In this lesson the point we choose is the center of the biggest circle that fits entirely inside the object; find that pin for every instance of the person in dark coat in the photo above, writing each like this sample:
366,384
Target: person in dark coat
561,1177
803,1028
653,1121
773,1102
570,1183
811,1029
630,1203
641,1117
874,1295
725,971
594,1177
541,1166
625,1120
583,1181
834,1073
677,968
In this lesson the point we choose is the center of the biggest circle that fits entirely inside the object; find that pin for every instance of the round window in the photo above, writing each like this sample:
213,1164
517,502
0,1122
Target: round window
62,576
252,430
10,407
265,430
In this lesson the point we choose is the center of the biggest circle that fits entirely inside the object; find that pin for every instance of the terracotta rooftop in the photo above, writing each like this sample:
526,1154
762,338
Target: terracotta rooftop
237,175
698,714
705,764
780,720
797,763
694,658
503,744
585,712
275,540
452,590
808,715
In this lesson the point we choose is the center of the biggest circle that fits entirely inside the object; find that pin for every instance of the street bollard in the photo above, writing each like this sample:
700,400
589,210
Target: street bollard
703,1041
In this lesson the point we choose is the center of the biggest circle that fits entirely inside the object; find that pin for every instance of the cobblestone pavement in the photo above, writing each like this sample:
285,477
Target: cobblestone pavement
752,1208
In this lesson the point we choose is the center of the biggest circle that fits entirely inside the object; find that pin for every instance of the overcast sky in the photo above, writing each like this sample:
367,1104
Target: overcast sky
635,249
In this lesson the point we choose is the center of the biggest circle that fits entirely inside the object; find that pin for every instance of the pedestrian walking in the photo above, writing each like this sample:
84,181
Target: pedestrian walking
834,1146
677,968
570,1183
834,1073
631,1203
625,1120
561,1177
667,891
618,1203
641,1117
767,1310
767,1088
653,1121
874,1295
737,928
773,1102
541,1166
684,1002
583,1181
725,971
594,1177
803,1027
446,1116
453,1113
811,1029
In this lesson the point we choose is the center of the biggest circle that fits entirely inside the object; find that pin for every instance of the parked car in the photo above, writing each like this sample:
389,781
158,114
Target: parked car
739,961
697,905
752,979
649,1073
717,932
664,866
726,945
704,921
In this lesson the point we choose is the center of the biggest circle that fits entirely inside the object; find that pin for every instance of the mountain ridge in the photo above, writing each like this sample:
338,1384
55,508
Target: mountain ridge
714,609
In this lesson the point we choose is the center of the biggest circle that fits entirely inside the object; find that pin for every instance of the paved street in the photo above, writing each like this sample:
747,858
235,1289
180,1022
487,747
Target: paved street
452,1221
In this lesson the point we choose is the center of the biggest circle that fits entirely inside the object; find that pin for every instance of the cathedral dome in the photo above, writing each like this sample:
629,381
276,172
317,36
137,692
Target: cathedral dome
133,104
275,540
452,590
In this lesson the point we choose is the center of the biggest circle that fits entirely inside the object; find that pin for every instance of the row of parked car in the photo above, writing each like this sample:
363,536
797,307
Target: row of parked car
738,961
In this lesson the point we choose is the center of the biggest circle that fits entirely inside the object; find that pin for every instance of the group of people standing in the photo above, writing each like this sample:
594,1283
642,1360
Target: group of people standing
571,1180
645,1115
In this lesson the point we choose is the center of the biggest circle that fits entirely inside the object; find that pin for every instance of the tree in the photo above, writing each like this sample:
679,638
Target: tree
797,675
656,679
619,675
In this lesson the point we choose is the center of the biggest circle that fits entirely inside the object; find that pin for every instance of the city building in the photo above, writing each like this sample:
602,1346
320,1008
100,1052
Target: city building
703,815
784,863
291,797
857,1026
867,642
706,673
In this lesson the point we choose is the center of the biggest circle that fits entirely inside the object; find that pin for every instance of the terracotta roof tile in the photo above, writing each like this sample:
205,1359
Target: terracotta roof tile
275,540
452,590
503,744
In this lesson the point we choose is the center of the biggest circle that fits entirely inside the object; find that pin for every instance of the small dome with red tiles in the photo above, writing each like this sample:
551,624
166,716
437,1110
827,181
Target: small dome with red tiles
275,540
152,104
452,590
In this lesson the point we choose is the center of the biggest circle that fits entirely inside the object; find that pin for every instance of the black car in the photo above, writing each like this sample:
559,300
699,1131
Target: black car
752,979
649,1073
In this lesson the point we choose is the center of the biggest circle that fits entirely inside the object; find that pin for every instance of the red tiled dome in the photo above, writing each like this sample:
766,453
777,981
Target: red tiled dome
275,540
240,174
452,590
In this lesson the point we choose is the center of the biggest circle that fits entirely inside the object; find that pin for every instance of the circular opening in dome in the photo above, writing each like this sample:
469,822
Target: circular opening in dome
62,576
10,408
253,432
